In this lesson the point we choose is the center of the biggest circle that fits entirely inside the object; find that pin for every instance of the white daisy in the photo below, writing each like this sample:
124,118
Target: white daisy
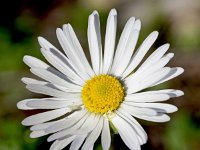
89,100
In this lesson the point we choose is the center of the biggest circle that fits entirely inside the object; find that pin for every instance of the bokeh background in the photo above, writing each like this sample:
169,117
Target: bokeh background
178,22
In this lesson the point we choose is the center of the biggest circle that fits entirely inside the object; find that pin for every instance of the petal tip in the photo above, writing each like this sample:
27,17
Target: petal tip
180,93
19,104
40,39
25,122
137,25
113,11
23,80
155,33
25,58
95,12
181,70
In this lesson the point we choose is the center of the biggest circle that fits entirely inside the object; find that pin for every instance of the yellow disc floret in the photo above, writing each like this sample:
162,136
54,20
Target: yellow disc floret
102,94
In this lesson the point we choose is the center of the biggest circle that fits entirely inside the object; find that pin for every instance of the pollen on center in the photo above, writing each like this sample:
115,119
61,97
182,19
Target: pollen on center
102,94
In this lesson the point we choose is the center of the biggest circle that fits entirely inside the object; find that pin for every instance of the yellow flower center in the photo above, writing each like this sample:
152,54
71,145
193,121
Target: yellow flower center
102,94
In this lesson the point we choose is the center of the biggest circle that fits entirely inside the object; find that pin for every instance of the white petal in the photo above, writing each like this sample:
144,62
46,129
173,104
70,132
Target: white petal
153,96
110,40
149,76
139,84
139,54
30,81
49,76
23,105
76,144
138,97
94,41
174,72
67,122
62,143
138,111
159,107
126,132
155,56
128,50
90,140
44,126
105,135
71,36
88,125
38,133
33,81
68,131
45,116
158,118
138,128
66,141
123,42
54,146
34,62
71,53
54,52
50,90
61,62
52,103
45,44
145,71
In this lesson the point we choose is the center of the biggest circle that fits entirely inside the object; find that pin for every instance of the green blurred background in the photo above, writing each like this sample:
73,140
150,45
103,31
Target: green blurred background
178,23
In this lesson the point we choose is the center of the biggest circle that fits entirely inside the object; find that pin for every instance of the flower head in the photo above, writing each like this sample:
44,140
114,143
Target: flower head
85,98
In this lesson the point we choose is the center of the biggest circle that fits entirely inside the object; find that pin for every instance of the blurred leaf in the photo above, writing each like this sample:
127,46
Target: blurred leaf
182,134
13,136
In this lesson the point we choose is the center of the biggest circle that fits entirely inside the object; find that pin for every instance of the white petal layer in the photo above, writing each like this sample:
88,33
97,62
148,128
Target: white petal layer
71,53
142,136
139,83
52,78
73,40
76,144
67,122
138,111
68,131
89,141
38,133
33,81
89,124
49,89
110,40
139,54
174,72
23,105
153,96
59,60
94,41
119,66
155,56
52,103
105,135
122,43
159,118
35,63
44,126
62,143
45,116
159,107
126,132
30,82
143,72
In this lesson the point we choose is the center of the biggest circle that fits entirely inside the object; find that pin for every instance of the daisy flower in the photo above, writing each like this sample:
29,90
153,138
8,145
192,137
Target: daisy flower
87,101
